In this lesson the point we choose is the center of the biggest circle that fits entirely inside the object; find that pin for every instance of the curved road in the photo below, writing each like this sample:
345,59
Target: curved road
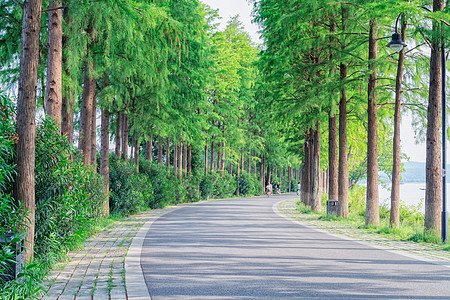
240,249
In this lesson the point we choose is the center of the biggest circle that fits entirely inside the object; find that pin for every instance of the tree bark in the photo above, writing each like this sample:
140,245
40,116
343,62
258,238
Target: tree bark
160,150
125,132
206,157
149,149
94,135
433,194
316,191
53,92
180,159
67,114
104,158
67,111
88,98
167,152
136,152
24,183
212,156
185,159
343,163
262,175
394,218
118,133
372,201
332,159
190,159
175,159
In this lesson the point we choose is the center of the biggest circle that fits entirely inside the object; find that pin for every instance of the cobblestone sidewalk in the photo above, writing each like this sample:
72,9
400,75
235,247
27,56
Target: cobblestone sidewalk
97,271
426,252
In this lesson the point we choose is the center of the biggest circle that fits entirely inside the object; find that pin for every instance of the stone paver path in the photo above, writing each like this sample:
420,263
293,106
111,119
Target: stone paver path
427,252
97,271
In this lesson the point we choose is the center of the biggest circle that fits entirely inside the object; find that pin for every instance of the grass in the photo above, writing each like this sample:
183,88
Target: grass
411,221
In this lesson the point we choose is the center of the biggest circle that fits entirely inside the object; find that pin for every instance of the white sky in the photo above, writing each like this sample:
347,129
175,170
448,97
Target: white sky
229,8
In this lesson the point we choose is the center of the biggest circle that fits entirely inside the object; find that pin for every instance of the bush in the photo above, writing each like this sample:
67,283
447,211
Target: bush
163,182
130,192
69,195
249,184
217,184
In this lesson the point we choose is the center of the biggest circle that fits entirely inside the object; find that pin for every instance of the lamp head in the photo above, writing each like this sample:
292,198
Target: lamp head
396,44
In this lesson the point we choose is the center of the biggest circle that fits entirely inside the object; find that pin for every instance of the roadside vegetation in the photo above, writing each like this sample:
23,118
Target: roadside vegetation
411,219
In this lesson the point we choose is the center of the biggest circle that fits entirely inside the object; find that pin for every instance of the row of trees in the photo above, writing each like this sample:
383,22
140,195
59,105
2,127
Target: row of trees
325,65
165,79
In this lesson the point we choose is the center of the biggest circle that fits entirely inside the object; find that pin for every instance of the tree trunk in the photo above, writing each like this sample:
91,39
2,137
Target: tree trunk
185,159
118,133
206,157
53,92
160,150
94,135
212,156
88,98
262,174
175,159
343,163
332,159
433,194
316,191
289,179
394,218
136,152
180,160
125,131
67,117
24,183
104,158
167,152
190,159
372,201
238,174
149,149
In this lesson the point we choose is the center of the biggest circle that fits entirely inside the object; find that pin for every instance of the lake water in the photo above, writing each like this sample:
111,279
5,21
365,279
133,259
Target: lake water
411,194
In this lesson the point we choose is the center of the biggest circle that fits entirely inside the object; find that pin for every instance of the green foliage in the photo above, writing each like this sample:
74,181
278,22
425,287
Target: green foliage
426,237
304,209
130,192
8,138
217,184
69,195
249,184
166,188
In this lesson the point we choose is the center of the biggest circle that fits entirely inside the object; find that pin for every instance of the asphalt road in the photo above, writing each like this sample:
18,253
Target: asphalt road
240,249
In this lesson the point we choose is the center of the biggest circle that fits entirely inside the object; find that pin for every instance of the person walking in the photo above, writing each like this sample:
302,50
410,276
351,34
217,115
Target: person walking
298,188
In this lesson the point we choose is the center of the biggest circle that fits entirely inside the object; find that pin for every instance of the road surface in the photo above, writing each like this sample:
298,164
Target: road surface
241,249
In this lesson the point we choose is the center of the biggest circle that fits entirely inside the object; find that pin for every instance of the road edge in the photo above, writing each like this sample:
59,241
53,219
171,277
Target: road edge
136,287
386,248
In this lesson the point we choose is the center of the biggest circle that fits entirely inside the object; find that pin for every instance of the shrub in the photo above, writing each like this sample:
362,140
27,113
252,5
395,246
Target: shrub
69,195
130,192
163,182
248,184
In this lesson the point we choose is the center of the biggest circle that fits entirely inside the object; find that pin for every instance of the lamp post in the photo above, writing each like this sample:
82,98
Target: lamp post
396,44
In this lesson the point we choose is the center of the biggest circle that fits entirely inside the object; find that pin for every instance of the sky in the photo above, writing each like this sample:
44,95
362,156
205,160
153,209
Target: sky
229,8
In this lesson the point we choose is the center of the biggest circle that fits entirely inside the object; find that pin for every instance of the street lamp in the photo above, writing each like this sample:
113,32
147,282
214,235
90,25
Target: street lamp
396,44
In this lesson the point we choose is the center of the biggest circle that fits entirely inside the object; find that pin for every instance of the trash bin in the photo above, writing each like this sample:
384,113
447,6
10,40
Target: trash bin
13,266
332,207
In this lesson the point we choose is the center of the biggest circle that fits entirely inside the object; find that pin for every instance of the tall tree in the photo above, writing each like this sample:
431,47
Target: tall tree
24,184
372,202
53,93
433,194
394,218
